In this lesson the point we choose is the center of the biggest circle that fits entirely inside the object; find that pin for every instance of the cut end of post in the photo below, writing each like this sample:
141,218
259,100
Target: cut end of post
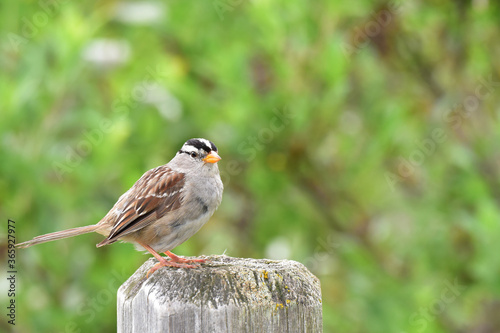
224,294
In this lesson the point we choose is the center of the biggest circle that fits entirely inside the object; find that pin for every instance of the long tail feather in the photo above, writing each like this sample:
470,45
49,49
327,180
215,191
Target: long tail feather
58,235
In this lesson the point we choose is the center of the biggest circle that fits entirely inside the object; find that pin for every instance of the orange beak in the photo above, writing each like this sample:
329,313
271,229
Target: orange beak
213,157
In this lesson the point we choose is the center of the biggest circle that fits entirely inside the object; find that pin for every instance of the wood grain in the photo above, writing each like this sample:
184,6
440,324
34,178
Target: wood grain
223,295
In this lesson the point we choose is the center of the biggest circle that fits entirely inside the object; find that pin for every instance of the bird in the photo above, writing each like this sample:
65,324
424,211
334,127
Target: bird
163,209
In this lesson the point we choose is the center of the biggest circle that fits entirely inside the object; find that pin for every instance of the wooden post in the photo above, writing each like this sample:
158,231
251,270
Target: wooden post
223,295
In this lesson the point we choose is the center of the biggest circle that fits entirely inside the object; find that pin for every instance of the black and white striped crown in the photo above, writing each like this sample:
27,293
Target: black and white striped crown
195,145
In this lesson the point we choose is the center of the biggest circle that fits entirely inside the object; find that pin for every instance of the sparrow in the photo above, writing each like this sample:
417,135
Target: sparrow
163,209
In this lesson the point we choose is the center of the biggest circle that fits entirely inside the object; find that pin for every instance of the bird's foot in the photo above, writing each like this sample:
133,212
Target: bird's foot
177,259
164,263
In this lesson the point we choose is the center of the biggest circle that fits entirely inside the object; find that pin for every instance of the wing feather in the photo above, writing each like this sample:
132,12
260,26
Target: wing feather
155,194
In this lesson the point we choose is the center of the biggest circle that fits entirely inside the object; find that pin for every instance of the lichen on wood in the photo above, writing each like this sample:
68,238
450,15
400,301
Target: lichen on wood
223,295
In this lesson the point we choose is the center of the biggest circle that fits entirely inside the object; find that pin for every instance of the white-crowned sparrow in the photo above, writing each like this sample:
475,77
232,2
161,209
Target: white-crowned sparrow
164,208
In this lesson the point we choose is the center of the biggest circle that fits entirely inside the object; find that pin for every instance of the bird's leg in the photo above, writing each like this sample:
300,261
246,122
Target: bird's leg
176,258
162,261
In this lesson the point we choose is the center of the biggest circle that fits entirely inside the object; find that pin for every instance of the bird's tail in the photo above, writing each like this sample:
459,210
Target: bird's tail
58,235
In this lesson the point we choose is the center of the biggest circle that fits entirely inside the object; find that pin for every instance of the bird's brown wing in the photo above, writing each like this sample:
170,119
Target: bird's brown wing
156,193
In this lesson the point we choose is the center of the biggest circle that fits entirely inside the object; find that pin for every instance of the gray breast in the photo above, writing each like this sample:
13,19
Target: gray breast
203,205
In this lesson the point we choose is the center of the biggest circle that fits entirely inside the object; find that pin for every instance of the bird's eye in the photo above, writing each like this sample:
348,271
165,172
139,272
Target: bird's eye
193,155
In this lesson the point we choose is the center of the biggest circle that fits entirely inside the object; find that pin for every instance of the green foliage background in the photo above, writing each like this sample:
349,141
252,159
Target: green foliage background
360,138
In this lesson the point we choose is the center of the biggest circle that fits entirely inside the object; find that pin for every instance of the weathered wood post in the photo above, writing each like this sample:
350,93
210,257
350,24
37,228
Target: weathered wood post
224,295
